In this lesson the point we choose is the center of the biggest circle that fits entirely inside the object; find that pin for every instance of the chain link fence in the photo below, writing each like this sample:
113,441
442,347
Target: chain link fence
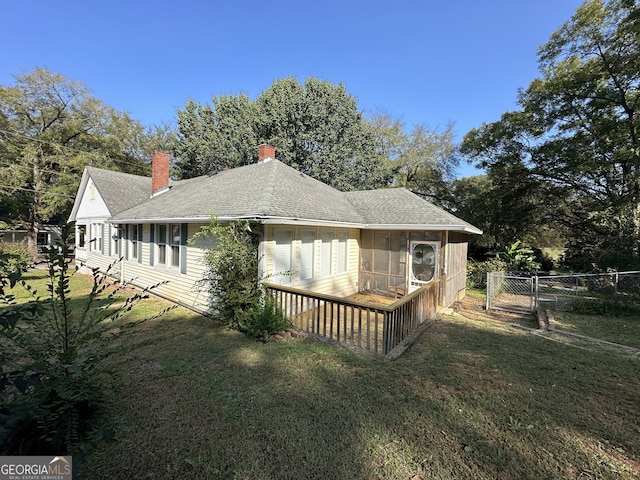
519,293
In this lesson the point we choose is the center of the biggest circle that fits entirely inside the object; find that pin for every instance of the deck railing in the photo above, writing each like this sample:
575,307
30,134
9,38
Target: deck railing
361,324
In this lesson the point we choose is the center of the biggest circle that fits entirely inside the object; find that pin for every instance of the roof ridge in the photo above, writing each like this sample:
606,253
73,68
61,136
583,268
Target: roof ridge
266,199
116,172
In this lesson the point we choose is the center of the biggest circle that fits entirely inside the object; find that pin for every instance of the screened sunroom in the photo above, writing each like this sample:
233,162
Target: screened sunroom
396,262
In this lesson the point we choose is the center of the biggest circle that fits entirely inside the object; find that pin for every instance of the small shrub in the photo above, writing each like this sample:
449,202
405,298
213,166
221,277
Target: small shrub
265,319
14,257
611,306
477,271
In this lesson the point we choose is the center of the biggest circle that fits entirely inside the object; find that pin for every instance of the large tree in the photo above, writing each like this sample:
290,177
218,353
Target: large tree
316,127
424,158
50,128
578,131
214,137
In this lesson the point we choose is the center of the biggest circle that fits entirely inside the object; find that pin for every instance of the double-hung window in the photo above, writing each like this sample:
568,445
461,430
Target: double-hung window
96,232
282,258
169,245
174,244
307,257
136,234
326,253
81,234
162,240
114,239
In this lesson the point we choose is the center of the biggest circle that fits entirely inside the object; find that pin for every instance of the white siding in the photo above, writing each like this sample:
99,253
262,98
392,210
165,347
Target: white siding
92,205
339,284
181,288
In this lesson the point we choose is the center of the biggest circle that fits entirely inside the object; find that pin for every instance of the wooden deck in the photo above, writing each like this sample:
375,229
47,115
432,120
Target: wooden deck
370,322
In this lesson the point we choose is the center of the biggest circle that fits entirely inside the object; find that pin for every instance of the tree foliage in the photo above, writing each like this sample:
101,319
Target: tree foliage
231,277
233,281
50,128
315,127
576,136
425,158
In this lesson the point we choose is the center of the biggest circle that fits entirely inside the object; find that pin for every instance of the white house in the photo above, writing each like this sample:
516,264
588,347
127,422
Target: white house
386,241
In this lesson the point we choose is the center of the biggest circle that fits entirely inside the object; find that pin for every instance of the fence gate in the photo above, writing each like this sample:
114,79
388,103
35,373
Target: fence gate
511,293
524,293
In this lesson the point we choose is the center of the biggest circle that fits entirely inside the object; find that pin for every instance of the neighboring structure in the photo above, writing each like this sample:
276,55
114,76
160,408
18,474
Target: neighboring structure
387,241
47,236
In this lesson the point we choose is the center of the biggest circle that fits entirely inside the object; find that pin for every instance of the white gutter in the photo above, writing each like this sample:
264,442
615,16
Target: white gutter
269,220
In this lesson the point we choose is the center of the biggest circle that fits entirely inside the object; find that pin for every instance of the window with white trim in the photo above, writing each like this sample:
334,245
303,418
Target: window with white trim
174,244
282,252
81,236
96,232
307,254
326,252
114,237
342,252
135,240
163,243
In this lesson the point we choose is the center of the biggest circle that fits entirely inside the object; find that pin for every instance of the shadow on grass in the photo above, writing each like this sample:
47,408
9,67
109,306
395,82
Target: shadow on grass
200,401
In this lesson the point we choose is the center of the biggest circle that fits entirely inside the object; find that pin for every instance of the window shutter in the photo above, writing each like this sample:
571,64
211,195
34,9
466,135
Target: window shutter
127,235
140,243
342,252
326,253
152,239
183,248
108,245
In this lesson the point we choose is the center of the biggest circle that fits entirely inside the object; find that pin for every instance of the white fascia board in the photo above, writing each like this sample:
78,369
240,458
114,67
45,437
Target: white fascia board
303,221
308,221
426,228
81,188
251,218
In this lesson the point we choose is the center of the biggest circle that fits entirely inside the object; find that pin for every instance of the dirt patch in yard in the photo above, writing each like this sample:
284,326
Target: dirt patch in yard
474,308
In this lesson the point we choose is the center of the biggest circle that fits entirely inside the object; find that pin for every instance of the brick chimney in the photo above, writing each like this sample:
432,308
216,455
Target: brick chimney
159,172
266,152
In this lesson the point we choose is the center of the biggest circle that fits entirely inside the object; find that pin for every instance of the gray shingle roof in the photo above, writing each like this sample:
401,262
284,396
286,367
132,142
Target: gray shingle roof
271,190
398,206
120,190
268,189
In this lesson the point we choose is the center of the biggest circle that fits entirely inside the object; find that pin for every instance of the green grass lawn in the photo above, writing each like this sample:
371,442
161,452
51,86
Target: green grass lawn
476,400
623,330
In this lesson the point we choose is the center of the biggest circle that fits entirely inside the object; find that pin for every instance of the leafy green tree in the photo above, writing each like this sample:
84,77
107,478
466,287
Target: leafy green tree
315,127
424,158
50,128
577,131
428,163
211,138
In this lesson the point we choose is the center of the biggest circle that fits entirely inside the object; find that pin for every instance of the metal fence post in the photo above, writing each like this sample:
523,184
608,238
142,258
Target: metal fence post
488,291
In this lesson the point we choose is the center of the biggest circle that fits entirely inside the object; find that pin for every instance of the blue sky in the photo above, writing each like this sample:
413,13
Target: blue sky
425,62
